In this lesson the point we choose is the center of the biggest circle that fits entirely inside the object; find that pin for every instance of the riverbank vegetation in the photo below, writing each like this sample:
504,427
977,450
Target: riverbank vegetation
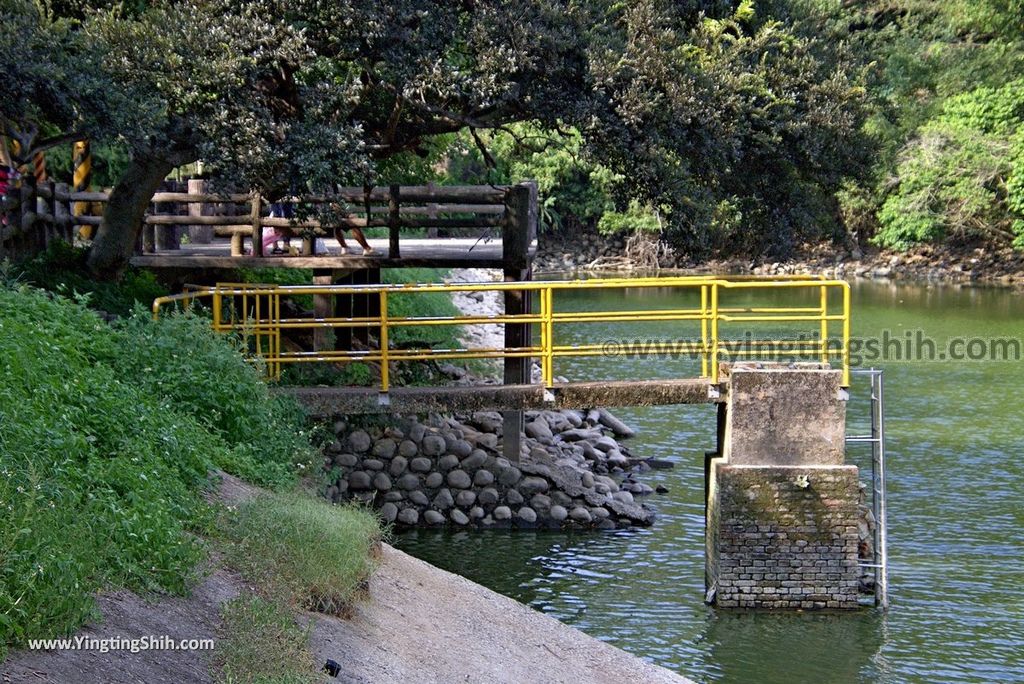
109,435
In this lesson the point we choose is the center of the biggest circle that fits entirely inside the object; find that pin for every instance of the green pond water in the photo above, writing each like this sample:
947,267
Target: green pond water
956,516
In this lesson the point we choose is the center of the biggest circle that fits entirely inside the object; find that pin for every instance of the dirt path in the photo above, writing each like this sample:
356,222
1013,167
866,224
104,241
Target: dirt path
129,616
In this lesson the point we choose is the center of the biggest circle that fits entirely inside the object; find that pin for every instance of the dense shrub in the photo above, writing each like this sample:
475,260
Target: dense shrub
107,436
963,177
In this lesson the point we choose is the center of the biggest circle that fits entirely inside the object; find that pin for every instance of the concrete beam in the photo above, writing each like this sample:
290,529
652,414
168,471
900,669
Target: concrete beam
331,401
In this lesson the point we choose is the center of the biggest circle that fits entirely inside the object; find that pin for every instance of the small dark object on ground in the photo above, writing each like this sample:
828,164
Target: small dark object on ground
332,667
661,489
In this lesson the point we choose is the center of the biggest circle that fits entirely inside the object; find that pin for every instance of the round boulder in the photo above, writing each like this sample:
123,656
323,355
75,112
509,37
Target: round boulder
434,480
488,496
373,464
476,459
409,516
502,513
346,460
624,497
433,445
462,448
398,465
389,512
531,485
458,517
419,498
381,482
465,498
444,500
526,514
408,449
580,514
509,476
447,462
420,465
416,432
459,479
409,482
558,513
482,478
514,498
385,448
433,518
358,480
360,441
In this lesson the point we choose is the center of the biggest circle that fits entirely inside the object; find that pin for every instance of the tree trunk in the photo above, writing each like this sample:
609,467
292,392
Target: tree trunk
115,241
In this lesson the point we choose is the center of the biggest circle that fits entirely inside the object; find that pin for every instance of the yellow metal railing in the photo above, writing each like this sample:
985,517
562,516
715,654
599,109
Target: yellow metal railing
254,311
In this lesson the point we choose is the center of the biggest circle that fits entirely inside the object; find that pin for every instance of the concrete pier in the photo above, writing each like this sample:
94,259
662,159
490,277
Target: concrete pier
781,514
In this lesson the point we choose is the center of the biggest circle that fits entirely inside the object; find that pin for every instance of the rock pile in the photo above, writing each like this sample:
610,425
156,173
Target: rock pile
449,472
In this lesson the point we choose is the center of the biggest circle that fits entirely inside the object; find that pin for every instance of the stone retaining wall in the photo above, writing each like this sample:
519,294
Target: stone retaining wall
447,472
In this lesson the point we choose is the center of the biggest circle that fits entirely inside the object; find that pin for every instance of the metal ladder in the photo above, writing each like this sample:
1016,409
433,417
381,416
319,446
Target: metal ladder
880,562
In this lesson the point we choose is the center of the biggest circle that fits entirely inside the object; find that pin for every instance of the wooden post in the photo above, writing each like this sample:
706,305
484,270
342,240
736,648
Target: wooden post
199,234
62,212
50,228
323,307
28,212
255,212
148,238
519,225
237,242
394,222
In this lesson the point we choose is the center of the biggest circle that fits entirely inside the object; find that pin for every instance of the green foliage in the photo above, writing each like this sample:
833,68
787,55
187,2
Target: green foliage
107,435
100,476
183,361
61,269
635,218
262,643
304,551
962,177
437,304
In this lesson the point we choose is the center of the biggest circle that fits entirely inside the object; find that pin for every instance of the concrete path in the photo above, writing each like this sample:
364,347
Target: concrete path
422,624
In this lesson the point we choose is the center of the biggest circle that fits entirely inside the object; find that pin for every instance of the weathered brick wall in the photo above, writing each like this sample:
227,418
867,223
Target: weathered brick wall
775,544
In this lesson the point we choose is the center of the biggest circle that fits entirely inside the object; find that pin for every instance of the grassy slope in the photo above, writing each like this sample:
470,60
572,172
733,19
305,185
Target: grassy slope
107,436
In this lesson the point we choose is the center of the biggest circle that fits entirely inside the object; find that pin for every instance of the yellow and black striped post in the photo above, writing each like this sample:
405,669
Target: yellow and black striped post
39,166
81,181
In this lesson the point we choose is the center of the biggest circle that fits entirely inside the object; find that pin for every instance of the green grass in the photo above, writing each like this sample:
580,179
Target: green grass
62,269
261,643
107,436
304,551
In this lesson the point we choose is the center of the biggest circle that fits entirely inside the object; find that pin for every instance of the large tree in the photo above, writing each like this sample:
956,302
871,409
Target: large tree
698,104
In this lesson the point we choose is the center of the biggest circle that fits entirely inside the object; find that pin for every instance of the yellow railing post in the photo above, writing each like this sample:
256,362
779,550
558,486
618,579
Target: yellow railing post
704,331
384,370
714,332
846,334
824,324
548,362
216,309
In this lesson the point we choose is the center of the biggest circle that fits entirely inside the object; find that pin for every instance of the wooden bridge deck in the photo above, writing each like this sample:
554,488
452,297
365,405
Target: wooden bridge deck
415,252
324,402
